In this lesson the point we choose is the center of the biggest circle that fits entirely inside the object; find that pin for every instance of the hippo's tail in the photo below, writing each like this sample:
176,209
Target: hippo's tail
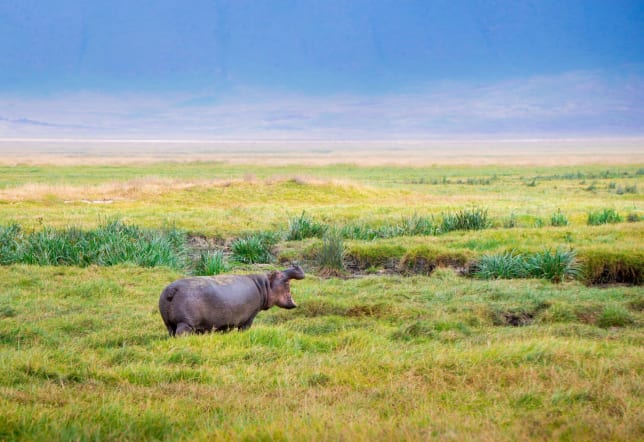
169,293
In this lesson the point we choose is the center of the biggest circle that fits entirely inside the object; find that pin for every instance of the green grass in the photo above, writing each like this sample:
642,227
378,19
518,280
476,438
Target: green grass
604,216
507,265
211,263
331,254
112,242
467,219
303,226
254,248
408,348
558,219
85,355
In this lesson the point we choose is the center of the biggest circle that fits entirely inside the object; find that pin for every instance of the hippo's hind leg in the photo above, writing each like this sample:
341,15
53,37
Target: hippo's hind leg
183,328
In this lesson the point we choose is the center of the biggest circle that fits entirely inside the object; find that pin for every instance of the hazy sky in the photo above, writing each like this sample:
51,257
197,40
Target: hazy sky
321,69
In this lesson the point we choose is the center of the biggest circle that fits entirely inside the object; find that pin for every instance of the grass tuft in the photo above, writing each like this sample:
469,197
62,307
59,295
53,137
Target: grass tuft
254,248
211,263
330,256
554,265
303,226
468,219
558,219
614,316
604,216
508,265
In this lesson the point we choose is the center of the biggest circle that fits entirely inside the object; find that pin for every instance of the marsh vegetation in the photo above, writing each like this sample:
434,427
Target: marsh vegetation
451,302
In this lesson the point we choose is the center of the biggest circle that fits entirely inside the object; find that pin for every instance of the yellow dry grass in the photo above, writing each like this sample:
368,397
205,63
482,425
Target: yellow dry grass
139,188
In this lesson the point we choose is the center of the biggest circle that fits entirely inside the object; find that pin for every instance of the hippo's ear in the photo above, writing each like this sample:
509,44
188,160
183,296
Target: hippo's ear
294,272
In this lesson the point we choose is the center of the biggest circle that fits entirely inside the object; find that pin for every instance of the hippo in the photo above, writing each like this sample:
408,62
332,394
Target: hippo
224,302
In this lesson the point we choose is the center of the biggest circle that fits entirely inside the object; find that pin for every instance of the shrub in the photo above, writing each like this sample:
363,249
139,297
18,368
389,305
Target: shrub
506,265
254,248
303,226
331,255
468,219
558,219
633,217
604,216
554,266
211,263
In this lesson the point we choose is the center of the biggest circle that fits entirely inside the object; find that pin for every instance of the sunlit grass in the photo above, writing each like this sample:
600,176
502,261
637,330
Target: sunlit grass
410,348
359,358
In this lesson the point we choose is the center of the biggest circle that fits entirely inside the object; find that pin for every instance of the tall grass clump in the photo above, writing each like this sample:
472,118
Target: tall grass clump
554,265
303,226
116,242
331,255
508,265
604,216
468,219
558,219
112,242
254,248
417,225
211,263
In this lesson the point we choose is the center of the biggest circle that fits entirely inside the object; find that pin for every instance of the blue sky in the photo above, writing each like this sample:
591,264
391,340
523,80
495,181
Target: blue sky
321,69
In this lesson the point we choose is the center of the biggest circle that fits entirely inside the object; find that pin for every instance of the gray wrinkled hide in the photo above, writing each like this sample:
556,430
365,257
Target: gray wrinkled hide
210,303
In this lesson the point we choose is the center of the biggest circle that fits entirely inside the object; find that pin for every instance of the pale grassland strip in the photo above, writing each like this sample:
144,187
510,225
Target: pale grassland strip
538,152
146,186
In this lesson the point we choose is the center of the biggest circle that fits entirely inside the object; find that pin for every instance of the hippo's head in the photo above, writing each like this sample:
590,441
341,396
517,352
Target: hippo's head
280,294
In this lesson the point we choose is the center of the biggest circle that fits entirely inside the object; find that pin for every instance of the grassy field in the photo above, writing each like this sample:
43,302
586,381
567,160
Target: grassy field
406,342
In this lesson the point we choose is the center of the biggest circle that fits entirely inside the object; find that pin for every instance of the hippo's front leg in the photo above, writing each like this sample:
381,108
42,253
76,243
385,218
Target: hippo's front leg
246,325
